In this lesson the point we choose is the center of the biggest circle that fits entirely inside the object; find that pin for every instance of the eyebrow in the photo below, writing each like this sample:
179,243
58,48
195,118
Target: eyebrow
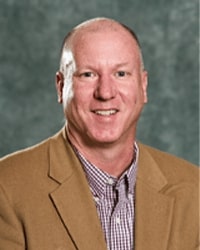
122,64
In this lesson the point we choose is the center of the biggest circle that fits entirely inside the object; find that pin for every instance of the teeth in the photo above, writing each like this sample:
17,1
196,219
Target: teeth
105,112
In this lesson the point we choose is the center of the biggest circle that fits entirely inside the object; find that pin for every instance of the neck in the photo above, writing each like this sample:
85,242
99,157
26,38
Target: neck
113,159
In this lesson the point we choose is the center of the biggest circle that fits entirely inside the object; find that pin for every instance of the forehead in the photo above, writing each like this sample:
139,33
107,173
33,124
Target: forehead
102,41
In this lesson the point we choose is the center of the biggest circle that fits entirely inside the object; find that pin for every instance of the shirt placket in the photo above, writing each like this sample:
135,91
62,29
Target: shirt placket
121,225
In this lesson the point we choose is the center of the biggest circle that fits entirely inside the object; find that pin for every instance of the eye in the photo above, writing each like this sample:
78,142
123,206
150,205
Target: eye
88,74
121,73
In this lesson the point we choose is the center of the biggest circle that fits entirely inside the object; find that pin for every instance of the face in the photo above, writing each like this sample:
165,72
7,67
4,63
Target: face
109,88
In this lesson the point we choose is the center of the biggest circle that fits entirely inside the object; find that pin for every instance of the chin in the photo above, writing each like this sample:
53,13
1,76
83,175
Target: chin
106,138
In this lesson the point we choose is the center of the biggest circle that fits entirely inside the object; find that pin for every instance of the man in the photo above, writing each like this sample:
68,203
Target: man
92,186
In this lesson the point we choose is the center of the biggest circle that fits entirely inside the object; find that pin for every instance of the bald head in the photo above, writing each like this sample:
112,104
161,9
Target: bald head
101,24
95,25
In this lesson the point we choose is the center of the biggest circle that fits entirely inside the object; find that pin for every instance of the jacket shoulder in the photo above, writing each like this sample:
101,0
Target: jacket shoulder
26,160
172,167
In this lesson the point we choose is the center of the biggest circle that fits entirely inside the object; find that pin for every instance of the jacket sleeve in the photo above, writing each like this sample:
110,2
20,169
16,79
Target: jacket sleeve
11,231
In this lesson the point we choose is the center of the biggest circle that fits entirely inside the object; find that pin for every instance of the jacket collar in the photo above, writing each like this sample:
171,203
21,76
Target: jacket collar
154,209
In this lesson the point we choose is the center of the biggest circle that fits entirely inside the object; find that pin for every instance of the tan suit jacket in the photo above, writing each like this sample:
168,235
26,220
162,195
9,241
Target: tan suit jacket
46,204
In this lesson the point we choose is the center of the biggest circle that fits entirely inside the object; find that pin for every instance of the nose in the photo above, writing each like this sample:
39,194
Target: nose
105,89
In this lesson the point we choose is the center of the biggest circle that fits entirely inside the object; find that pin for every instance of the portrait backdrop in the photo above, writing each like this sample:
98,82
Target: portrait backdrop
32,32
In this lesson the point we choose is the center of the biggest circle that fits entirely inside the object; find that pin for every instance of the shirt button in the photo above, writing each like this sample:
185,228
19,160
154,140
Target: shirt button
110,181
129,196
118,220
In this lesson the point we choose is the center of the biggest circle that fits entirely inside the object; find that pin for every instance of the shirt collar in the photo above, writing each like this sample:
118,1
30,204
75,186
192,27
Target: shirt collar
98,179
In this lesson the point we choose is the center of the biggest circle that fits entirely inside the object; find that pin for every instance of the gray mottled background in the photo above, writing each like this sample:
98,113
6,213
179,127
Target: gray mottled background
31,34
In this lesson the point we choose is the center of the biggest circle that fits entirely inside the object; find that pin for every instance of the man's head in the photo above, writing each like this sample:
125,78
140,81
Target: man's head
101,82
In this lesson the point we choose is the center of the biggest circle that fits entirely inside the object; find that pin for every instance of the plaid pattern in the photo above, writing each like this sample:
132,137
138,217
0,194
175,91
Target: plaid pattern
114,199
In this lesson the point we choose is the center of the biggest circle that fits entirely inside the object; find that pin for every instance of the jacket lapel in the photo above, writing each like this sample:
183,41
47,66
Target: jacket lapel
73,199
154,209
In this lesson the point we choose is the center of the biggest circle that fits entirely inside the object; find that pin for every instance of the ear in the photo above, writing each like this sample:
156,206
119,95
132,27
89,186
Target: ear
144,85
59,85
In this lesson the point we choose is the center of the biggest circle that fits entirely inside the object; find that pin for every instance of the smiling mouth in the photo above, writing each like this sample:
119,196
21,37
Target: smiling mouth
105,112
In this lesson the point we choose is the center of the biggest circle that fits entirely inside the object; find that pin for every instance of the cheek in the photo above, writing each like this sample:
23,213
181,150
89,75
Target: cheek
75,112
73,94
83,94
134,97
78,103
129,94
72,112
